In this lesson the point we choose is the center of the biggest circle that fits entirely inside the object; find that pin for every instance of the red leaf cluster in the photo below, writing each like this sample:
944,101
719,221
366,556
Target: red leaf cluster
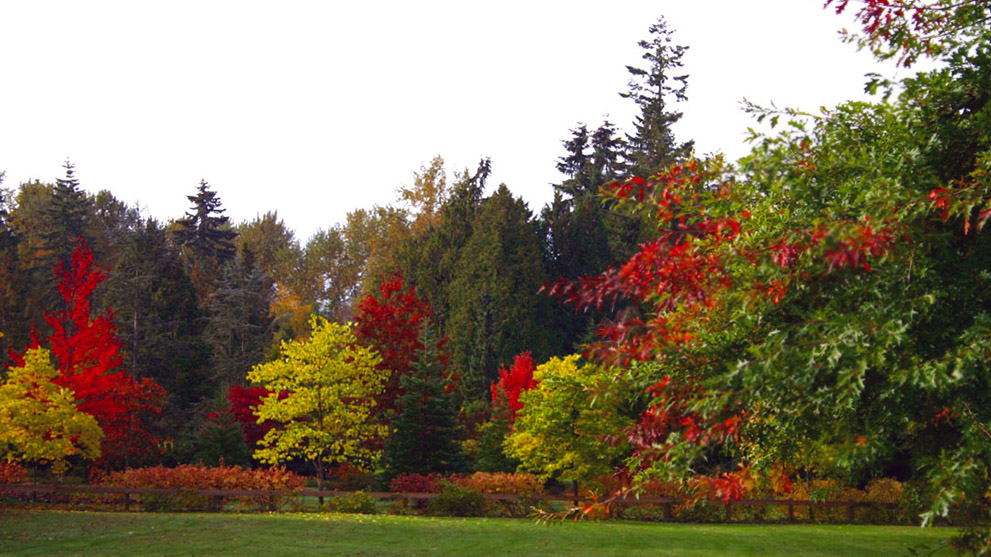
512,383
390,321
244,402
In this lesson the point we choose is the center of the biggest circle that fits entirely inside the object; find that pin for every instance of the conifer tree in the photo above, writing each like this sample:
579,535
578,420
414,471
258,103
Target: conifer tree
423,436
206,239
654,146
495,311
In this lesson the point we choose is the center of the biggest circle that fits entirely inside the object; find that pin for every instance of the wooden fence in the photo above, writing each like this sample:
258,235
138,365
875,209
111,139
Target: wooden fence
37,492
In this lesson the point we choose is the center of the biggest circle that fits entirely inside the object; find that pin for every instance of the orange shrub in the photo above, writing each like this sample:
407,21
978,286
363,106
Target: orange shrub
189,478
12,473
502,483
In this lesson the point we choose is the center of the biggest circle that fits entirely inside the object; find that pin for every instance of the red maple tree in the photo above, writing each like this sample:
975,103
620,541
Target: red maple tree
513,382
391,321
244,402
87,352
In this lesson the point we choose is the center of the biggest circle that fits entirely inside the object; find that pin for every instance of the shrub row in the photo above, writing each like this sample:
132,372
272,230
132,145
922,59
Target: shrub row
190,478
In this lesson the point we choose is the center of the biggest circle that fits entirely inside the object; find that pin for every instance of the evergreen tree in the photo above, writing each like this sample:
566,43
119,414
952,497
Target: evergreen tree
495,311
423,436
206,239
430,261
653,146
66,219
239,326
159,321
9,272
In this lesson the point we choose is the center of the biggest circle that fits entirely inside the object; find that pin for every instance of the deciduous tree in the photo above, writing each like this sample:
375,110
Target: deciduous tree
39,420
332,382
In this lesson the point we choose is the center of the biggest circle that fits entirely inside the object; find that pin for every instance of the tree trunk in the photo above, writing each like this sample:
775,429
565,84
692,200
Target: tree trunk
319,463
574,487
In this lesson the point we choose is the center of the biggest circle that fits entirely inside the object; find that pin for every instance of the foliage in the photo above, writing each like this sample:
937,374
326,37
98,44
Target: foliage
911,29
822,308
331,383
391,322
12,473
505,404
39,421
519,483
416,483
423,436
512,383
189,479
456,500
566,421
358,502
87,351
243,407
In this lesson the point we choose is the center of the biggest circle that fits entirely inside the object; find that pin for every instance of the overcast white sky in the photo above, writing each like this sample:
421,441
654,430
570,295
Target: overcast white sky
314,109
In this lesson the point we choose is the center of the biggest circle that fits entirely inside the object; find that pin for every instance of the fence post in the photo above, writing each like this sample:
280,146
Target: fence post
849,512
791,512
667,511
729,512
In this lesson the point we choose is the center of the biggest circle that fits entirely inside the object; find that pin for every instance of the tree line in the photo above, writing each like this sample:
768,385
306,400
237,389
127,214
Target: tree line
198,301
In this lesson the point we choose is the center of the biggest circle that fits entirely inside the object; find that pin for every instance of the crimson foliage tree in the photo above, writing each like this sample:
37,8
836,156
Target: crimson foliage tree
244,403
90,364
391,321
506,391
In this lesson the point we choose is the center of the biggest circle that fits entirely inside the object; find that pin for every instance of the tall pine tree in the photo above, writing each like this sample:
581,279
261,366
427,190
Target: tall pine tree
206,239
653,147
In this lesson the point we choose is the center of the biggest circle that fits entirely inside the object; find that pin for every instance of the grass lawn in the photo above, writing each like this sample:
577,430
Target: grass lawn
91,533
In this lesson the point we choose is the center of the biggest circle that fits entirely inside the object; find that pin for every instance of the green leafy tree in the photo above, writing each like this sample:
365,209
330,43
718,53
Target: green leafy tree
423,435
824,308
39,421
567,420
330,383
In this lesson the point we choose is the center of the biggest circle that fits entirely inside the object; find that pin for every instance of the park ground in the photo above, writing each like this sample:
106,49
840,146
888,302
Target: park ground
93,533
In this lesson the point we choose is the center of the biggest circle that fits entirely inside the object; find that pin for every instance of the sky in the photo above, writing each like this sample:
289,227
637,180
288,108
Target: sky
314,109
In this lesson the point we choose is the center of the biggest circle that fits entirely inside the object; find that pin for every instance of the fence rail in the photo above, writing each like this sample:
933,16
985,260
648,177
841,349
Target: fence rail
668,503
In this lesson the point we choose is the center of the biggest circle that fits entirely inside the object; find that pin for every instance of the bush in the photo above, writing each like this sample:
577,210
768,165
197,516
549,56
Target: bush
12,473
454,500
502,483
351,478
189,479
358,502
416,483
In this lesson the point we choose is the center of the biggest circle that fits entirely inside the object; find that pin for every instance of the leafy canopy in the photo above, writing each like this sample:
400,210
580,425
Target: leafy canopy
331,383
39,420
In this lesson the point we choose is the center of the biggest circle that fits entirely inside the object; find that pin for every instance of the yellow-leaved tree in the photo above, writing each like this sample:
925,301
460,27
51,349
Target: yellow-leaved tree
566,420
39,420
323,391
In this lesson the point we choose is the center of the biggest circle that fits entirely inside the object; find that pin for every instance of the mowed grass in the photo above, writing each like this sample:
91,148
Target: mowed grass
92,533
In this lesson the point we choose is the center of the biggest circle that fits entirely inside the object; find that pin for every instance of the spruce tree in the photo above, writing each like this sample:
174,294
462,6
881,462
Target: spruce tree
424,433
205,238
653,146
66,219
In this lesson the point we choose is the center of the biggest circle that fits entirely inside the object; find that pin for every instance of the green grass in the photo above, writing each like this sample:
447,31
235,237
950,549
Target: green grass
90,533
